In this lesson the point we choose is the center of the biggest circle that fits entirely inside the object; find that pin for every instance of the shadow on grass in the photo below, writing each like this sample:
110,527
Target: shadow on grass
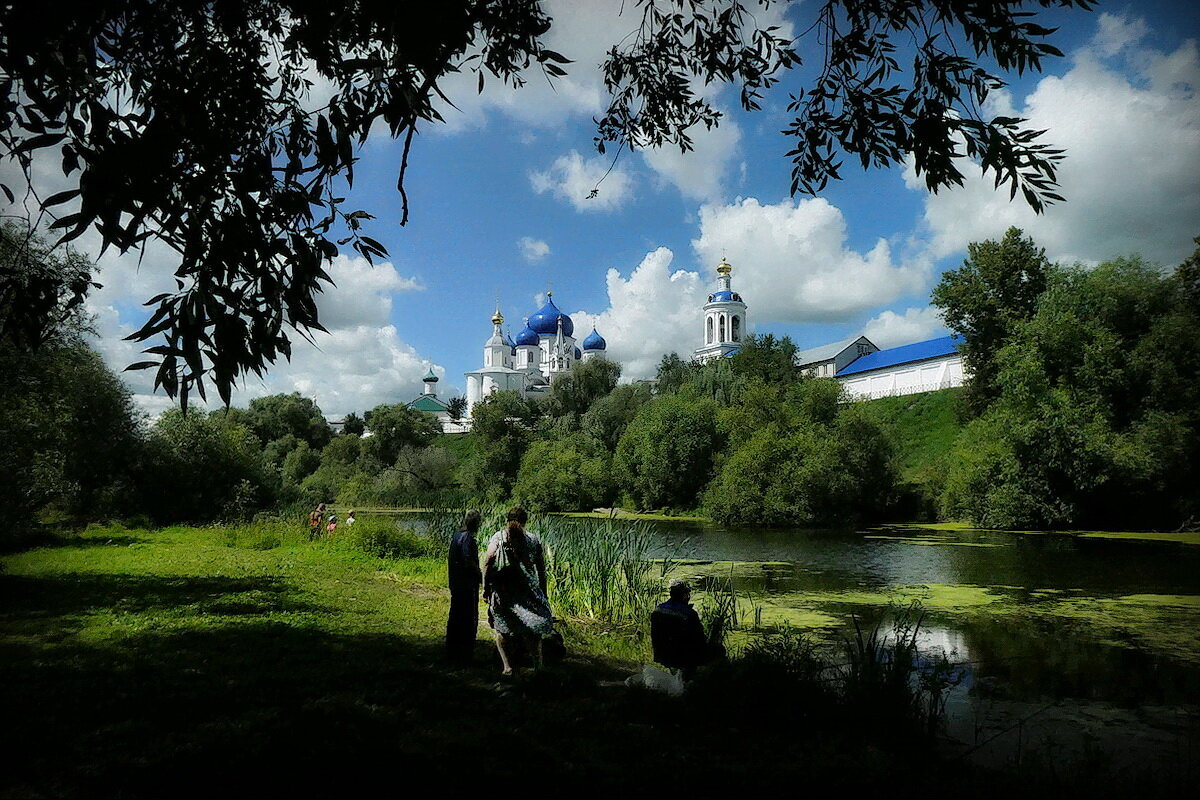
75,593
242,703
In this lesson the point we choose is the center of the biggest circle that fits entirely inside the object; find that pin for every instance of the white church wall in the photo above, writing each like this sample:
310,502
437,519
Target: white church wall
903,379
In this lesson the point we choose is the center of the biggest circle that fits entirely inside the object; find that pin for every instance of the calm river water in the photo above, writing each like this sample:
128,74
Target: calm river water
1069,646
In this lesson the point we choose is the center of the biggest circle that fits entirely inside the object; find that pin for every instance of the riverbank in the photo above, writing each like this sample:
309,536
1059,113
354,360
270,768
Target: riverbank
193,661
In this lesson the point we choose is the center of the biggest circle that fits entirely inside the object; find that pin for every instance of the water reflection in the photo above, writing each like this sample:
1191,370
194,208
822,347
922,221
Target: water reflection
1073,641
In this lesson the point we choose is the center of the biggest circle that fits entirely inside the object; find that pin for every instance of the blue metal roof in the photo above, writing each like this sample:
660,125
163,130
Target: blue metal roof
545,321
594,341
906,354
527,337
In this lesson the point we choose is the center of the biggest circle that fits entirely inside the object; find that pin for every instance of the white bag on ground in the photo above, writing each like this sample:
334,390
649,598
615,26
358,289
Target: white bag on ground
657,680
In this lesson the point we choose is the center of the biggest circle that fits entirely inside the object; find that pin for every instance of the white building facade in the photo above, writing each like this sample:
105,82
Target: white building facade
911,369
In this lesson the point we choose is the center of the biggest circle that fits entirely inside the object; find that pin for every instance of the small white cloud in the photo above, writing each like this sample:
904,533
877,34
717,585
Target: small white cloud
533,249
890,329
1114,34
587,184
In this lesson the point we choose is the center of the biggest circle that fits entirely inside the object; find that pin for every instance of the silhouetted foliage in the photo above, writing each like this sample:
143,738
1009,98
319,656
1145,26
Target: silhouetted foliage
189,123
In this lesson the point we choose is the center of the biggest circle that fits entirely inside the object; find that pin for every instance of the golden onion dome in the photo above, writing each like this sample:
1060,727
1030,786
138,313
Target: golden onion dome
724,268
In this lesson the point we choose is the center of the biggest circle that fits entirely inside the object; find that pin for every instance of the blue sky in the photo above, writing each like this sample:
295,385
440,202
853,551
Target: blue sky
498,209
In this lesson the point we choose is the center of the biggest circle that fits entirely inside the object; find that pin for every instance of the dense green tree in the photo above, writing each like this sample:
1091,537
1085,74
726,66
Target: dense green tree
571,395
200,467
986,299
1097,420
353,425
70,434
610,415
503,427
673,372
190,122
572,473
395,426
803,470
765,358
665,457
278,415
1187,275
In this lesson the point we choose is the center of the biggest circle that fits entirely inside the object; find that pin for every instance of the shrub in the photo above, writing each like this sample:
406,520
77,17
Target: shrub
385,539
666,455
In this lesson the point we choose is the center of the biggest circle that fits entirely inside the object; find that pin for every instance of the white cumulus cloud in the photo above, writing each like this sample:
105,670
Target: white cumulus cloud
792,263
654,311
890,329
533,249
703,172
1129,119
574,179
360,363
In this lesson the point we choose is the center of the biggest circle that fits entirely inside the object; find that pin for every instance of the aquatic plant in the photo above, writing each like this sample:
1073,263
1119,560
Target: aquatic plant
883,673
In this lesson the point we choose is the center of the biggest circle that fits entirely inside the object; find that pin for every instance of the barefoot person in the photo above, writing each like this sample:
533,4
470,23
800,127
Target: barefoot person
514,586
462,570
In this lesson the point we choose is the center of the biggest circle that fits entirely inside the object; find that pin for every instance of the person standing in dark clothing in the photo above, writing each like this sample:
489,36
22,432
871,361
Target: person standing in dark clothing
465,579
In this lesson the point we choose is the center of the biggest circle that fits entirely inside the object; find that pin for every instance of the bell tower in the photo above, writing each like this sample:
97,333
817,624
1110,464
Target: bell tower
724,318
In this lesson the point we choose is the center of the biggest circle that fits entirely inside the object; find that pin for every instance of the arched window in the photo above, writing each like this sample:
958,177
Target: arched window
737,329
709,334
722,328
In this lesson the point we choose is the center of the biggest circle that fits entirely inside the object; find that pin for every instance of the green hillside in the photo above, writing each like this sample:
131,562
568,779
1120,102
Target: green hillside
923,428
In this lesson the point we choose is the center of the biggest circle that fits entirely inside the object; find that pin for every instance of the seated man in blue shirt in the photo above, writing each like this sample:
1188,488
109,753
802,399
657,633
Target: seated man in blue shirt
676,633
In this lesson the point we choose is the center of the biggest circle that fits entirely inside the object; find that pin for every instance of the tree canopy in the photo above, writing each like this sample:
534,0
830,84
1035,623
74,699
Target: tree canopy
986,299
189,123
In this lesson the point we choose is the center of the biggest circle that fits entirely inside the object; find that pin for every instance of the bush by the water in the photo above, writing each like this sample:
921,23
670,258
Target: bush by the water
385,538
1096,422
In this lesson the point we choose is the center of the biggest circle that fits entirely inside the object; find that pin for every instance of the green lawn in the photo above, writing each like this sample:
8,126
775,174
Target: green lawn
194,661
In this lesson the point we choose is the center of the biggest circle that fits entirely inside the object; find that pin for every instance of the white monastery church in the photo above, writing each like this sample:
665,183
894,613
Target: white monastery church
546,349
541,354
866,371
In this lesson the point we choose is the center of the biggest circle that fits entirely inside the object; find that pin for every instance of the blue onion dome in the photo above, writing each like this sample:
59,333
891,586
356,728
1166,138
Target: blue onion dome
578,354
594,341
508,340
545,321
527,337
724,297
430,377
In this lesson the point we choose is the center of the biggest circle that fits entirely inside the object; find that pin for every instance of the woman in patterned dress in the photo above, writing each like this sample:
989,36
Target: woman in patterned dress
514,586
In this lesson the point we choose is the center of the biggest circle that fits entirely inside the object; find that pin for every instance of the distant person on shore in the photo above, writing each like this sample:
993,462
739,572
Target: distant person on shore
350,517
514,586
677,634
465,577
